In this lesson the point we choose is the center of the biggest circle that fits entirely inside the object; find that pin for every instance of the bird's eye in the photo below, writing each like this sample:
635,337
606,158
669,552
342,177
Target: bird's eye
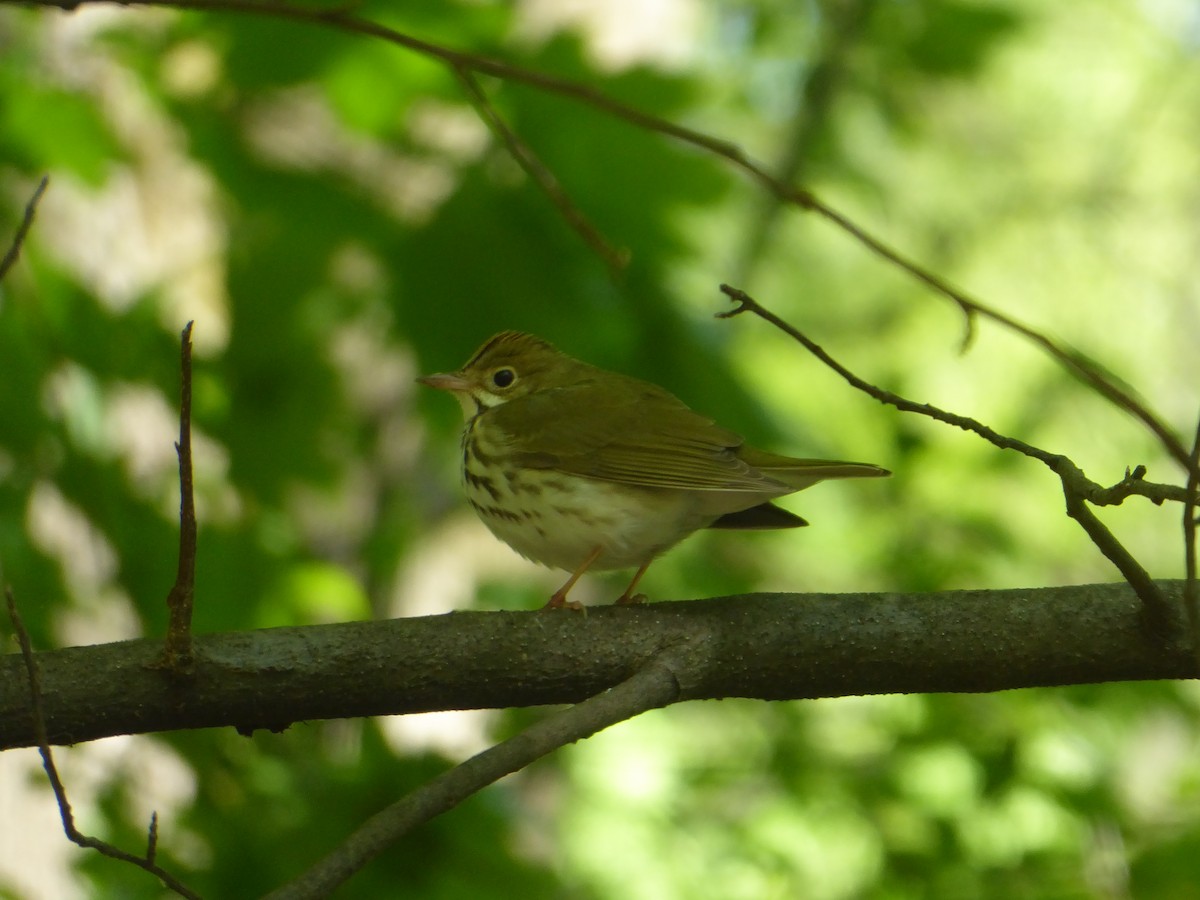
503,378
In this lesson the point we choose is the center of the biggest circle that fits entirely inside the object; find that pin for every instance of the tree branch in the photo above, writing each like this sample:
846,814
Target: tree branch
1191,594
1076,486
841,27
459,61
177,651
37,720
616,259
653,686
767,646
1160,617
14,249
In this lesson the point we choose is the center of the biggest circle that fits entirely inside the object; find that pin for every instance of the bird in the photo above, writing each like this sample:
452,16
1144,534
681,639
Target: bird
582,469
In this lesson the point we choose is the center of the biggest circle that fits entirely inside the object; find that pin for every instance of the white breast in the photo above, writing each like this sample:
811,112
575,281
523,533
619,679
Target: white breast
559,520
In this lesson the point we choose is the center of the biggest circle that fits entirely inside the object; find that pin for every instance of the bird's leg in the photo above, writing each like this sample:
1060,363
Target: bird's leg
629,597
558,599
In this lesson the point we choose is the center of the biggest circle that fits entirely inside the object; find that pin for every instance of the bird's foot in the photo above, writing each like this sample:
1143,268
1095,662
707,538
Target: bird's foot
558,600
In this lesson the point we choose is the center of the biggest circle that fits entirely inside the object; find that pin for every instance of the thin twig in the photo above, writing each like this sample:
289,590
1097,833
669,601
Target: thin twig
152,838
60,792
1190,592
1159,617
1076,485
1072,362
343,19
177,652
1134,484
819,83
746,303
616,259
14,250
653,686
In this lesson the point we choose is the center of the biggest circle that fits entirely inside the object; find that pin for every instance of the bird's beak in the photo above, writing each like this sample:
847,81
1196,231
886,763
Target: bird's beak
446,381
457,385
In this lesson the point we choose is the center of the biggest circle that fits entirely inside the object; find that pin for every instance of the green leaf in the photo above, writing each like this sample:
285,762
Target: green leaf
46,128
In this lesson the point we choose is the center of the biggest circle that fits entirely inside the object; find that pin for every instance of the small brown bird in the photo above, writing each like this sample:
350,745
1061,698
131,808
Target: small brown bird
579,468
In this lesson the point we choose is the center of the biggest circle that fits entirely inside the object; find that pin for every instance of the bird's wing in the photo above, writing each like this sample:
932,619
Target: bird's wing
801,473
648,438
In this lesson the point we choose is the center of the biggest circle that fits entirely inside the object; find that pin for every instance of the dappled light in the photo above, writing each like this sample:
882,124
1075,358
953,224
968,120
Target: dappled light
977,213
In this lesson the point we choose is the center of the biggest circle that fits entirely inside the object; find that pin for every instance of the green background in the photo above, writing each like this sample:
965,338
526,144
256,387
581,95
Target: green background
335,219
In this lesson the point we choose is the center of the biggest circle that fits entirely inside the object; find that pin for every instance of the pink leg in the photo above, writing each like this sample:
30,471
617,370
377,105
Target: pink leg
558,599
629,597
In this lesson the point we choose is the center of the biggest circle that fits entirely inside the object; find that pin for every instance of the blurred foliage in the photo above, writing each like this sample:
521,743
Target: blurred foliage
336,220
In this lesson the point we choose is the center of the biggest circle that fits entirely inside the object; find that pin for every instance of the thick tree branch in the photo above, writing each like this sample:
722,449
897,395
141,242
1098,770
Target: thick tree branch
768,646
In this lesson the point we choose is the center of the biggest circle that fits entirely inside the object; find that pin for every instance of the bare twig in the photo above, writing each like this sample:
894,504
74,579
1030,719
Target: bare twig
651,687
146,863
746,303
1072,362
459,61
1134,484
1159,617
152,838
616,259
177,653
820,81
1076,486
1190,592
14,250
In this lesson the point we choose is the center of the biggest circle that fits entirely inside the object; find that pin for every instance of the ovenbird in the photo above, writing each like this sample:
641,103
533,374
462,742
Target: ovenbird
579,468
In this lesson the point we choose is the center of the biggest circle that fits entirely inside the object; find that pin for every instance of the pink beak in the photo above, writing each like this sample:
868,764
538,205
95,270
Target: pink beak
445,381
